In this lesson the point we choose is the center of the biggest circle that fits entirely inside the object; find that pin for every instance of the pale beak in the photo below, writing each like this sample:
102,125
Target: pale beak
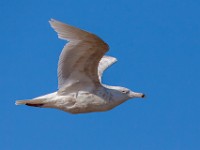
137,95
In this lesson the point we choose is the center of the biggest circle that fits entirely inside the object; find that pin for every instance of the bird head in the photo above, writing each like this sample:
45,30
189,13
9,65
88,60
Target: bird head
122,93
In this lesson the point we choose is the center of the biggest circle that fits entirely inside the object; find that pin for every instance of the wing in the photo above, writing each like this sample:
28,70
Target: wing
105,62
79,59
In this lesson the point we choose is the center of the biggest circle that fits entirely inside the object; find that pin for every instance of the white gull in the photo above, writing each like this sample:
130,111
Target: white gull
80,68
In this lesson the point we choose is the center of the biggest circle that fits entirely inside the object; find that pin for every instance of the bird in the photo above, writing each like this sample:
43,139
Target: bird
80,68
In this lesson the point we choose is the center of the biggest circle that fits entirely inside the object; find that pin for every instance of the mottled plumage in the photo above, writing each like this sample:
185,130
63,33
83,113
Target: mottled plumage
80,68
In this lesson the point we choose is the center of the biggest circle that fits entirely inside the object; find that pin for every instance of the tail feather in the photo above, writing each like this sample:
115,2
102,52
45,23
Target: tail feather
34,102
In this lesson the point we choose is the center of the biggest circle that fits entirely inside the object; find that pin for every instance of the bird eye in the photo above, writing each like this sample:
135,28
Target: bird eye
124,92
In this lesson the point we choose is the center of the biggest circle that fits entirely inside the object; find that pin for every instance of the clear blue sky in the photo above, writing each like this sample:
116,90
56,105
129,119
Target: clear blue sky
157,43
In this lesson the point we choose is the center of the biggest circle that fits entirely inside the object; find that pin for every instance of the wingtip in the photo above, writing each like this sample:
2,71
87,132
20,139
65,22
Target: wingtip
54,23
113,59
52,20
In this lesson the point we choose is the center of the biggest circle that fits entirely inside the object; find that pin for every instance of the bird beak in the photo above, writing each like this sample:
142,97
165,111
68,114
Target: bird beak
137,95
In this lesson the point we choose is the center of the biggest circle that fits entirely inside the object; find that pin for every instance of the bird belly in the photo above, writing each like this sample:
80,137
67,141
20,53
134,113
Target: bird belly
88,102
82,102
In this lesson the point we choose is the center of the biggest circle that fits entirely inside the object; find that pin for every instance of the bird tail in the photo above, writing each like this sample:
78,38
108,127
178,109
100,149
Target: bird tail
33,102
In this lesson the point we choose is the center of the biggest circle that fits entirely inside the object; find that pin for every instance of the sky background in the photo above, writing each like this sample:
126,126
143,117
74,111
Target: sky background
157,43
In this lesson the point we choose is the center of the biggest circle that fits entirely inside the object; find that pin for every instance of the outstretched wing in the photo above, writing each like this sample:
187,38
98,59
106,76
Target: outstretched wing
79,59
105,62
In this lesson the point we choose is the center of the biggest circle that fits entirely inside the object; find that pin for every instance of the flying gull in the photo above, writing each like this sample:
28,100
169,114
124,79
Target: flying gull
80,68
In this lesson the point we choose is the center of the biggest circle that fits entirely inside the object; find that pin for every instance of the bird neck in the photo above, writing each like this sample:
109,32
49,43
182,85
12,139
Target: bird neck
115,95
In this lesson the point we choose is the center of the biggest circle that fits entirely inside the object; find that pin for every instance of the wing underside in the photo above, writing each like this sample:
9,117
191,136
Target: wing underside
80,57
105,62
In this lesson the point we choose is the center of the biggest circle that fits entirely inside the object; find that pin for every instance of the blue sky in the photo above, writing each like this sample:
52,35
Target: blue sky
157,44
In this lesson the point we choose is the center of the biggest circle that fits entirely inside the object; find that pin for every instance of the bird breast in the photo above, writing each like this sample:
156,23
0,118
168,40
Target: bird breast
90,102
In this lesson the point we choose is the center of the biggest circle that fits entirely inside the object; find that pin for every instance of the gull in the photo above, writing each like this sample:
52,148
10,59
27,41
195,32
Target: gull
80,69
